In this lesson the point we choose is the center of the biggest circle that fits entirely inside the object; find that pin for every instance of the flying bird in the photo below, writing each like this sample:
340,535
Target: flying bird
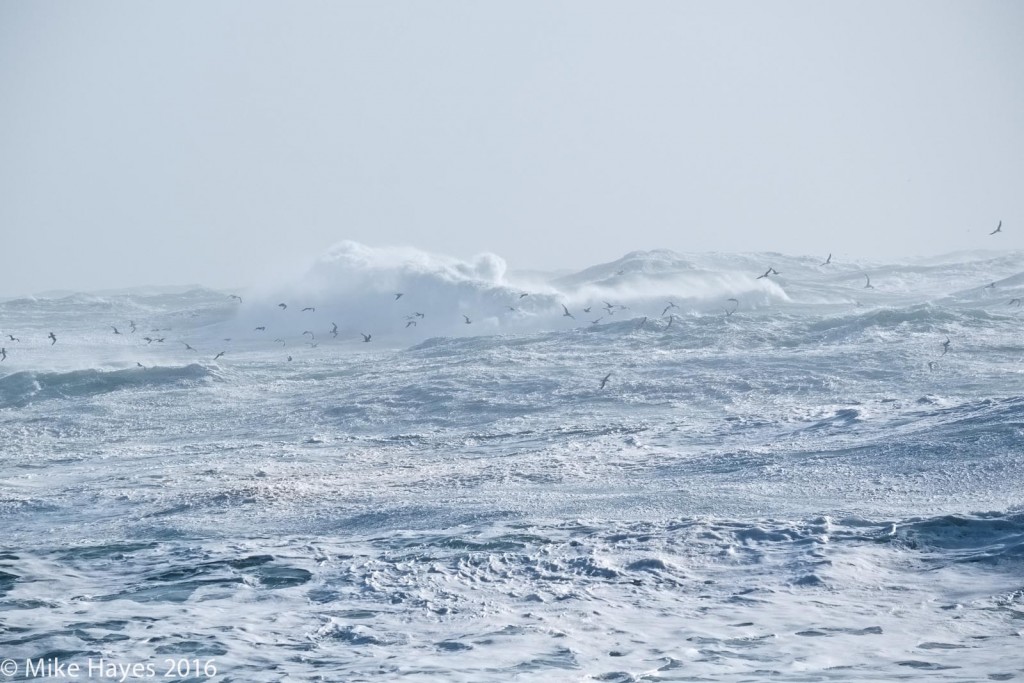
140,365
53,338
594,322
774,272
671,319
587,309
868,285
668,308
737,305
945,346
187,347
524,294
115,329
309,308
280,341
642,323
398,295
605,380
932,364
567,314
366,337
310,333
149,340
990,286
1013,302
3,354
13,338
999,228
282,306
766,274
261,328
235,296
468,321
289,358
411,323
313,345
132,323
828,260
334,329
218,355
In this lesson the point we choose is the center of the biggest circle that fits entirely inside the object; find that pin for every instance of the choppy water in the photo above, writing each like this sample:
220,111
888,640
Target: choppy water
789,492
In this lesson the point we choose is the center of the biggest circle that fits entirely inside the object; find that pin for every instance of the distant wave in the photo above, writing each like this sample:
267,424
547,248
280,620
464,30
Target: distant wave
356,287
22,388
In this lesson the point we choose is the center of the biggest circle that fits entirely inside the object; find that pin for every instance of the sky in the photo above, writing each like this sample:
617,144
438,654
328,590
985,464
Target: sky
222,142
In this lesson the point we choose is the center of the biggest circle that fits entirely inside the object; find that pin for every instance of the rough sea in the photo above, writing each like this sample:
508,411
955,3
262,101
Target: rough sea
791,478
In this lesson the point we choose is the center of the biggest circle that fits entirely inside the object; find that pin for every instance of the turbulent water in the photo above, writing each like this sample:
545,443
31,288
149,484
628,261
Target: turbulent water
812,487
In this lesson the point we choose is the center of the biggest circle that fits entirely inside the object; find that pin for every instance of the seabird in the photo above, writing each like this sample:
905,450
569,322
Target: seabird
642,323
419,315
310,333
140,365
334,329
524,294
3,354
991,286
567,314
468,321
671,319
13,338
737,305
282,306
52,338
235,296
313,345
218,355
587,309
605,380
281,341
513,309
398,295
828,260
160,340
766,274
366,337
149,340
999,228
261,328
774,272
289,358
115,329
187,347
594,322
132,323
411,323
308,308
607,306
668,308
1014,301
932,364
868,284
945,346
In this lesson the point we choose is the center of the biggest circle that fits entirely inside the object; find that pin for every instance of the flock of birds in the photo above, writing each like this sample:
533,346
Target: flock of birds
413,319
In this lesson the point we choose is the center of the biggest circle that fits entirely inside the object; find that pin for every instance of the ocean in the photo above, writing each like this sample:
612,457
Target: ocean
790,478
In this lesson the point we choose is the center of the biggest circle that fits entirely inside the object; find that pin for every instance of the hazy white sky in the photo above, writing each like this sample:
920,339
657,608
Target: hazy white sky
216,141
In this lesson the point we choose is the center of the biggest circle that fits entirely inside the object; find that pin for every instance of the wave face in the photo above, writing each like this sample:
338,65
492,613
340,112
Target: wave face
805,483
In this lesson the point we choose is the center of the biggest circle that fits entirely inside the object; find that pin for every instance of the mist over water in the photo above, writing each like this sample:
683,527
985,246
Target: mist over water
789,477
